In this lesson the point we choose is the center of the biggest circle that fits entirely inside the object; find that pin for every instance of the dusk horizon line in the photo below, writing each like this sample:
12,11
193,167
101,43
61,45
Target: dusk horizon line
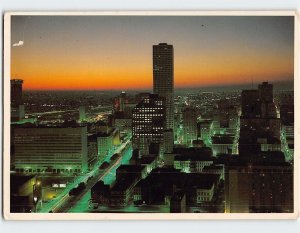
290,82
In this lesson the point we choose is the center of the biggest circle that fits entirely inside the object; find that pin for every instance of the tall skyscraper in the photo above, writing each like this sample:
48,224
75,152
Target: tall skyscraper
259,121
189,125
16,92
163,78
148,123
259,103
250,104
265,91
268,107
16,98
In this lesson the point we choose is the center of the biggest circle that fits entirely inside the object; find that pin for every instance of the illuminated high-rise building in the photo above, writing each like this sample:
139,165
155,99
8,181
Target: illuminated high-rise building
189,125
148,123
163,78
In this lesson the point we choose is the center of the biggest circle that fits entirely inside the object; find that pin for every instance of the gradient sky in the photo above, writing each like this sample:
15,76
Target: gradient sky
115,52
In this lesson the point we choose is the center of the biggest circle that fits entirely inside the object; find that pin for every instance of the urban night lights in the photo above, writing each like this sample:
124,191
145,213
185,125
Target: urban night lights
152,114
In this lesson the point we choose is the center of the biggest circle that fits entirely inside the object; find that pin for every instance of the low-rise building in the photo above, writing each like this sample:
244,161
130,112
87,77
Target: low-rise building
214,169
205,192
161,184
92,151
100,193
23,189
204,130
105,144
222,144
150,162
127,176
139,171
193,161
178,202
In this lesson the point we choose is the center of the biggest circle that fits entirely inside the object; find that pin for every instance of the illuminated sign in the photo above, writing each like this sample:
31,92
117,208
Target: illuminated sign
59,185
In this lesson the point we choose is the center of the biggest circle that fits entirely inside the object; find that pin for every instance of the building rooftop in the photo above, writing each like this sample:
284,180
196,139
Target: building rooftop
100,186
29,125
147,160
178,196
124,182
130,169
212,167
206,184
265,158
193,158
197,151
222,139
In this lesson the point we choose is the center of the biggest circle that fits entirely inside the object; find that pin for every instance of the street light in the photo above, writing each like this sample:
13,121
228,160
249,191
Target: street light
35,203
36,194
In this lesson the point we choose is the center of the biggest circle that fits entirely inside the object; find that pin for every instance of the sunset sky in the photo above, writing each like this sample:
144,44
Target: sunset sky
115,52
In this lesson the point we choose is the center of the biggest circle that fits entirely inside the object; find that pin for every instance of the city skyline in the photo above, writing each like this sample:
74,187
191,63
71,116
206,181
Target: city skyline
228,150
83,57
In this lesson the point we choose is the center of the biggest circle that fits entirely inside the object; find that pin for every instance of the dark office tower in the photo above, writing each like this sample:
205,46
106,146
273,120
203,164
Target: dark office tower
259,120
17,107
163,78
168,141
16,92
148,123
250,104
259,187
189,125
265,91
268,107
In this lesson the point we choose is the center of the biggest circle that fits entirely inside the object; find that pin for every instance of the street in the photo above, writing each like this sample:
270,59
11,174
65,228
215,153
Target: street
64,202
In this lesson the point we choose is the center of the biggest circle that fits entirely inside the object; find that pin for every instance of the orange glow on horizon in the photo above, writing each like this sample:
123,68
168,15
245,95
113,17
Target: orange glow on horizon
86,70
72,75
115,53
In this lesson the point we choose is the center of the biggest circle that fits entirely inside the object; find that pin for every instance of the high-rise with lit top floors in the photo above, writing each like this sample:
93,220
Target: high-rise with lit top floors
148,123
